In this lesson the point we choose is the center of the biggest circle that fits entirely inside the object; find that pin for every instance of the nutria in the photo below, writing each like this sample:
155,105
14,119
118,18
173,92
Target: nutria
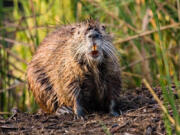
76,66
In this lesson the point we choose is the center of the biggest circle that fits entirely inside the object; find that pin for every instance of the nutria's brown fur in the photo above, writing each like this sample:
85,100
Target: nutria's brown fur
66,71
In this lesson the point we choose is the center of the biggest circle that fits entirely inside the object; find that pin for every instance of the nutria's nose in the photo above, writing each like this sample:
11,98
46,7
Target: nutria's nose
94,35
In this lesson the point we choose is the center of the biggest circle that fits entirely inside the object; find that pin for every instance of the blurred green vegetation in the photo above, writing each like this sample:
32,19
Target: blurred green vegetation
146,34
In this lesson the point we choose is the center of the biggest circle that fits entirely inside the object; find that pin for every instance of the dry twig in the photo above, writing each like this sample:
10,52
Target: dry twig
12,87
147,33
13,55
4,113
137,61
13,41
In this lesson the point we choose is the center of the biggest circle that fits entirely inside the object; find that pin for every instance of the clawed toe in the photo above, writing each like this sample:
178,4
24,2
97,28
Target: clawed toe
76,117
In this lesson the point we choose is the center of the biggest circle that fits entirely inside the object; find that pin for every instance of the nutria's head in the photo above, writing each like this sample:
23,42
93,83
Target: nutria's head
92,43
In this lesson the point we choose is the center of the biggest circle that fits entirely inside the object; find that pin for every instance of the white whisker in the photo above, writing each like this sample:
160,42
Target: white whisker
110,51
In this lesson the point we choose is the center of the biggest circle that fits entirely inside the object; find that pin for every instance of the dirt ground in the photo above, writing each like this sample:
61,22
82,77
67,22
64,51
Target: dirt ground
140,115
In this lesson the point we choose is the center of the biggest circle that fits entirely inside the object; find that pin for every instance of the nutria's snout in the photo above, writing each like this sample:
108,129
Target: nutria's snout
95,43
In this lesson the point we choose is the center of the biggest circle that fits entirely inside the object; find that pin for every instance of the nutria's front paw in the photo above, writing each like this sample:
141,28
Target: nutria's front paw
78,109
79,112
113,108
114,113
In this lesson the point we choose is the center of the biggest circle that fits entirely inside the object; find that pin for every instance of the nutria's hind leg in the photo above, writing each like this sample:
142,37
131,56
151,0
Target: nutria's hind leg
113,108
63,110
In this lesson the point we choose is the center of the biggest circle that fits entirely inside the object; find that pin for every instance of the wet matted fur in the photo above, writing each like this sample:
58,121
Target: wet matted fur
76,66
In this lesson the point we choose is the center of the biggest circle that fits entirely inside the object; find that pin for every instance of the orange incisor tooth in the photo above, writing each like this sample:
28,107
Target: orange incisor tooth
94,47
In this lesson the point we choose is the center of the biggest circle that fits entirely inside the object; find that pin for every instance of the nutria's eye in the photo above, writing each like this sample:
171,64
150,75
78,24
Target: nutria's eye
103,27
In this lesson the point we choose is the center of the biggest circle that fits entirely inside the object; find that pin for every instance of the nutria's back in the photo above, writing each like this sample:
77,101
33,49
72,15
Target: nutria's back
76,66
